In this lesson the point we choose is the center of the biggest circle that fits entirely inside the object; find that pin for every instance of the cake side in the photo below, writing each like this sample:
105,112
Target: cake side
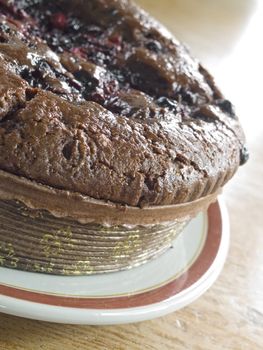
86,210
98,99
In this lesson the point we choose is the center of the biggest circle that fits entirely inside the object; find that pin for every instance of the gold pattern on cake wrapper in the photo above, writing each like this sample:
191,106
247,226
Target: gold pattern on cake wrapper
50,267
44,267
80,267
125,247
8,255
51,245
54,244
37,267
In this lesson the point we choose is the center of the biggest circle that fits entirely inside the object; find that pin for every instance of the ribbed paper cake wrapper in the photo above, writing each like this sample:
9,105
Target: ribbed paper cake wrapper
35,240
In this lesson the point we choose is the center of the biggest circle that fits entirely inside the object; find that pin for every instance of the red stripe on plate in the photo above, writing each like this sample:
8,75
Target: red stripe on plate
172,288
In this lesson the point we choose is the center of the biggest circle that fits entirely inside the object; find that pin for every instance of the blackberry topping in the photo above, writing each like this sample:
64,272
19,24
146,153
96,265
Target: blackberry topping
104,47
244,155
167,103
227,107
154,46
4,28
89,83
186,96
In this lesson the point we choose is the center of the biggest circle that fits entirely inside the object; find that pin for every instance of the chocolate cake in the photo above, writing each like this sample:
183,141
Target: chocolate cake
106,118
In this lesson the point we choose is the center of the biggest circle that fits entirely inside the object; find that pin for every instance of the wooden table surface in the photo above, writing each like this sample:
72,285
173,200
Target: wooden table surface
227,36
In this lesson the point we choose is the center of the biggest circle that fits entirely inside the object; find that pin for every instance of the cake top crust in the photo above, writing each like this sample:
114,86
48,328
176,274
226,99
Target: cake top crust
97,98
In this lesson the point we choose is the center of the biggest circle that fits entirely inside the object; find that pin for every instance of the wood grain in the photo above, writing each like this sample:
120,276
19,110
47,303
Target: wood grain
226,36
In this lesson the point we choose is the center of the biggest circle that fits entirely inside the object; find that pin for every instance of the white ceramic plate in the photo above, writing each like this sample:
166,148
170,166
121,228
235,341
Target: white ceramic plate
164,285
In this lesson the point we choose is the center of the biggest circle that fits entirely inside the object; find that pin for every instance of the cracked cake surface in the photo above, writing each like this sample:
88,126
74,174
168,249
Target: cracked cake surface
98,98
